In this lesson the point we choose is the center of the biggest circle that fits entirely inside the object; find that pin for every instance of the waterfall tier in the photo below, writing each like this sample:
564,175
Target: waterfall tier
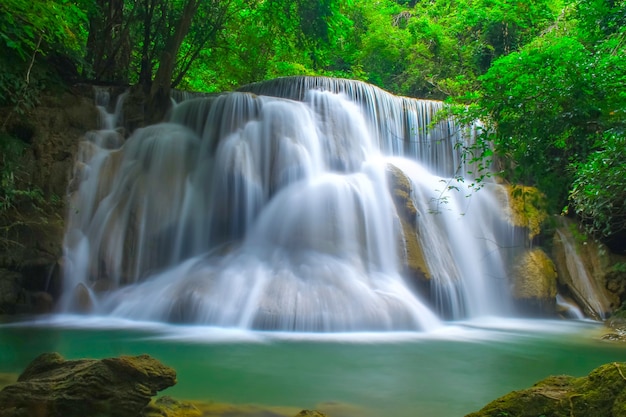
273,208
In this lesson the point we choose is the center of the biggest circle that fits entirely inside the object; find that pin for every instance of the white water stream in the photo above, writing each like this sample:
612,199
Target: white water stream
257,211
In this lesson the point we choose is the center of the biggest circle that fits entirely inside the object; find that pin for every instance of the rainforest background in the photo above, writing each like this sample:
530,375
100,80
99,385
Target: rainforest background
546,78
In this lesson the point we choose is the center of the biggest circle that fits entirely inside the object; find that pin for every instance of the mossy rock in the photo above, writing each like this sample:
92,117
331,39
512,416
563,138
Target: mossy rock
114,387
413,254
169,407
615,283
600,394
401,190
415,262
525,208
534,281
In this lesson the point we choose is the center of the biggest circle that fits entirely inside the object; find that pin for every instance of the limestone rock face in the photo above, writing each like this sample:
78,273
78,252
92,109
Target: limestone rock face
534,281
601,393
413,254
585,268
32,245
15,298
114,387
524,208
10,292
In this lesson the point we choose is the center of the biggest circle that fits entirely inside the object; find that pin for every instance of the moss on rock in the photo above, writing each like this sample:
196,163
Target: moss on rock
413,254
114,387
534,280
600,394
525,208
169,407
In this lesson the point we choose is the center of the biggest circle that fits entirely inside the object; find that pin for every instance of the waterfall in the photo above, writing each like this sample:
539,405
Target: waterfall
582,278
397,125
272,208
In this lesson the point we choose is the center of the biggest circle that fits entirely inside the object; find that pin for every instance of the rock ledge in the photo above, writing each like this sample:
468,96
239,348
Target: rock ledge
114,387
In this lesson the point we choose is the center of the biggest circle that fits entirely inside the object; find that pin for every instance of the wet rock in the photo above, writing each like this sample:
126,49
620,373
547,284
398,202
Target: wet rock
170,407
614,337
10,292
16,297
534,282
81,297
616,281
617,324
584,269
413,254
525,208
114,387
35,229
600,394
40,302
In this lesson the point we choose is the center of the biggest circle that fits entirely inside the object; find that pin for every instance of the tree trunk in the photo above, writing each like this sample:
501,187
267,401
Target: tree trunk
107,43
159,98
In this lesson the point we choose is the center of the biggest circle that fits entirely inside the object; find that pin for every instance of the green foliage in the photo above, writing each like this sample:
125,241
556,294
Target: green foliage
19,94
600,19
543,100
32,32
23,23
11,190
598,194
277,38
556,109
619,267
423,49
545,77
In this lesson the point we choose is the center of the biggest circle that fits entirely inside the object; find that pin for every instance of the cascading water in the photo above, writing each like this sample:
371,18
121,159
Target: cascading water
273,209
580,277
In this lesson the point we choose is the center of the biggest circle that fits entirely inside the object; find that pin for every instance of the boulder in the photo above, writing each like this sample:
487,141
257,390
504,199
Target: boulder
114,387
534,282
602,393
524,208
412,253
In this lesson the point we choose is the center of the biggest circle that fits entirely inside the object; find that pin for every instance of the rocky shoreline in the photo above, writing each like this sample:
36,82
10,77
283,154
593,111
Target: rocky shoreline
600,394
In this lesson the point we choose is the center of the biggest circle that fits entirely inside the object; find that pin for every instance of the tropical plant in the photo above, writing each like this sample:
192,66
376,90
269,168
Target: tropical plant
598,195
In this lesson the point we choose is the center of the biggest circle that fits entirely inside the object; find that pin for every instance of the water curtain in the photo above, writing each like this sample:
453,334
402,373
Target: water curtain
296,204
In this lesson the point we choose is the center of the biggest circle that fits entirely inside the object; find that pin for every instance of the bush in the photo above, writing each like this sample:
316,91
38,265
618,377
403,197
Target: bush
598,195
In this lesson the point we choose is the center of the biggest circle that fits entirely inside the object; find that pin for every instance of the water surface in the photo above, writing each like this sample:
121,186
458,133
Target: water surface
444,373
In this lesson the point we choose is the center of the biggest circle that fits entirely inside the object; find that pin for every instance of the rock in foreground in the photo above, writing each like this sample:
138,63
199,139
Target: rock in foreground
600,394
114,387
